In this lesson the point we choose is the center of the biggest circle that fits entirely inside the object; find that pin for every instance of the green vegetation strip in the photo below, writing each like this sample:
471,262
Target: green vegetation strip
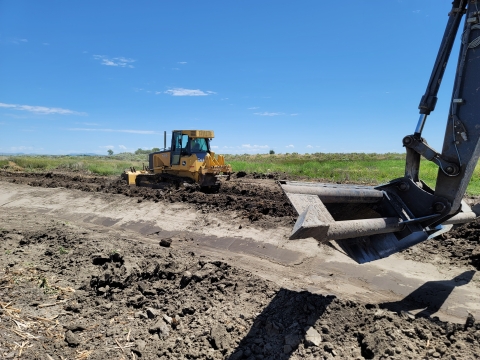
358,168
100,165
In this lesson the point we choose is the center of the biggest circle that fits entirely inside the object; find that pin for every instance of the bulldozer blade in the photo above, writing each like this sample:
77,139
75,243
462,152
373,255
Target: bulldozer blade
153,181
208,180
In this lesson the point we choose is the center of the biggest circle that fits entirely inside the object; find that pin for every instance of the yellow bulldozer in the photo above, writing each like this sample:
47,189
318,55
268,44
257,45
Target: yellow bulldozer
189,159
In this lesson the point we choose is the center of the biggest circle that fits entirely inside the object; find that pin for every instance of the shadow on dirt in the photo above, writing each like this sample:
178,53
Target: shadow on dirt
282,325
430,296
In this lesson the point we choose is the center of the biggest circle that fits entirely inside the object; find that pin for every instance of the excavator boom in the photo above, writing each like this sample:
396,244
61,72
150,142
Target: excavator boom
369,223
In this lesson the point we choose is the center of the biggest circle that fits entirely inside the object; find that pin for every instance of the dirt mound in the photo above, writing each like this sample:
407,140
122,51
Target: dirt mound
459,247
70,292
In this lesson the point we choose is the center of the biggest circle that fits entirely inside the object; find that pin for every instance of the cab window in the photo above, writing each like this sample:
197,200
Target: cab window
198,145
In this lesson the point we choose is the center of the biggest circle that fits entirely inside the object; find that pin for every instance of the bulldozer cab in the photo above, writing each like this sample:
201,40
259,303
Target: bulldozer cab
185,145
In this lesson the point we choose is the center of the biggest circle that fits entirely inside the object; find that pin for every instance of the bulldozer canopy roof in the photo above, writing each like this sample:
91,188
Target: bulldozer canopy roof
198,133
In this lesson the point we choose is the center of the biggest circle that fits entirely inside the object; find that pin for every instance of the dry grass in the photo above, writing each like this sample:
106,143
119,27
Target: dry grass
19,329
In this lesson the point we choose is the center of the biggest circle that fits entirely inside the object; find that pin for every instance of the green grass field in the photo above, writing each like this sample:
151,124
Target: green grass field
101,165
359,168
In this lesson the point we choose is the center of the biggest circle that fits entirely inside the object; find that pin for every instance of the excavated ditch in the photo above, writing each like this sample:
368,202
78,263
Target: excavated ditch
256,197
262,203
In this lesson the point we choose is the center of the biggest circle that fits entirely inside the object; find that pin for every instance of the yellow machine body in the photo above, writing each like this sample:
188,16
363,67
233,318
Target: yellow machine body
188,158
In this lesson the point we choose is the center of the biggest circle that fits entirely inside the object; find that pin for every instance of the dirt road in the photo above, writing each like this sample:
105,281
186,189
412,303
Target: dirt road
183,274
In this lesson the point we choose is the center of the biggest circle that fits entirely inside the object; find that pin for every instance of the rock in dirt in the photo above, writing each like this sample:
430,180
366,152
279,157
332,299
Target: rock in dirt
152,313
167,319
186,278
312,337
204,272
220,337
71,338
470,322
166,242
160,328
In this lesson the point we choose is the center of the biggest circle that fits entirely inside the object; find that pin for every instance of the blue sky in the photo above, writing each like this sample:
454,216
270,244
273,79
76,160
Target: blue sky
289,76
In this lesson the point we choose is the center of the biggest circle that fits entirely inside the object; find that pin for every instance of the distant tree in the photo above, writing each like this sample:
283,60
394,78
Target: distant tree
272,152
155,149
110,152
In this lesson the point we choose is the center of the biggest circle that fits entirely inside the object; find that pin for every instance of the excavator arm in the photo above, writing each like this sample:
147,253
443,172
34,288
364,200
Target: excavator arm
460,151
369,223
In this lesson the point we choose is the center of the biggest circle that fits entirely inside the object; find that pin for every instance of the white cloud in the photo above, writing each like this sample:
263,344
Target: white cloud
46,44
265,113
309,147
123,147
253,108
188,92
293,114
416,11
116,61
248,146
41,109
142,132
182,62
17,40
214,147
107,147
290,146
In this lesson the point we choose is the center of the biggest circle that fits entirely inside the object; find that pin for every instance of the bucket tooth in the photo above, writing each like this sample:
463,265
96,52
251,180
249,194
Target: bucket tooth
309,225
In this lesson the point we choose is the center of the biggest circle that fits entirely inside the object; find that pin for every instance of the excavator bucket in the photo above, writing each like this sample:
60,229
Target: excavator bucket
366,223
